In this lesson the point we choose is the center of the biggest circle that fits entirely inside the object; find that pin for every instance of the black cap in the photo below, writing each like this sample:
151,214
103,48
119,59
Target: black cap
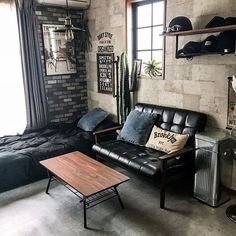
180,23
226,42
210,44
229,21
190,47
216,21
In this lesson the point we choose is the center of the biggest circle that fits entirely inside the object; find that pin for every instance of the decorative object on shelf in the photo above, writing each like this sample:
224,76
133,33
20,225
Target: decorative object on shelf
179,23
59,54
231,114
215,22
209,44
190,48
226,42
153,68
68,28
220,29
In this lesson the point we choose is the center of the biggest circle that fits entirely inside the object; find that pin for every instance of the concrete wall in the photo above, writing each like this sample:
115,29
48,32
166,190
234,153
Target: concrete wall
66,94
200,84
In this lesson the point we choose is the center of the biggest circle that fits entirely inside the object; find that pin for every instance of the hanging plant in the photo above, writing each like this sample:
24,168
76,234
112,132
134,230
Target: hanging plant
153,68
84,37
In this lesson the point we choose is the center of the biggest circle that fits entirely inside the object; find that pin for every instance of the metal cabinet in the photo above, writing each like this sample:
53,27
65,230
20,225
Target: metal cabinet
213,165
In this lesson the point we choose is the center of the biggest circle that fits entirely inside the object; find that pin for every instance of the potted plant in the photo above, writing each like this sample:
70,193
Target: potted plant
153,68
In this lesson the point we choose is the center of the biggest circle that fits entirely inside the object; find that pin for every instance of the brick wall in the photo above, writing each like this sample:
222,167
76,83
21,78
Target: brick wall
66,94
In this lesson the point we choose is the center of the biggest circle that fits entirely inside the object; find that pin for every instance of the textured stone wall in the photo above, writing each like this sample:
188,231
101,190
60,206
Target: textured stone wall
200,84
103,16
66,94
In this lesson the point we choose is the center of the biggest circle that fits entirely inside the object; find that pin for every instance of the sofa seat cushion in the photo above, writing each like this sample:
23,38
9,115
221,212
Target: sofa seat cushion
143,160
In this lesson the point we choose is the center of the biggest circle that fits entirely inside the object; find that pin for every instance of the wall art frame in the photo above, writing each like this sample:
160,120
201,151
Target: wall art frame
59,54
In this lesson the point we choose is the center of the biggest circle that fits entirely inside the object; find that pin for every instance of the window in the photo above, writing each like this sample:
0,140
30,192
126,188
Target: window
12,101
148,23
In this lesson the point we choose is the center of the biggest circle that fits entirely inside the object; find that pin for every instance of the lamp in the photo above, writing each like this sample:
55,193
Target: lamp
68,28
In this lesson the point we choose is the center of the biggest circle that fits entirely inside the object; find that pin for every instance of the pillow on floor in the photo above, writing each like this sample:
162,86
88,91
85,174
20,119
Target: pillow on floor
166,141
90,120
137,127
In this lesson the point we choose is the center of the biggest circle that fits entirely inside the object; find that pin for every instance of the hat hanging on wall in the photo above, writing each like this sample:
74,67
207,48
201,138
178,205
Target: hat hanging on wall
226,42
179,23
68,28
216,21
210,44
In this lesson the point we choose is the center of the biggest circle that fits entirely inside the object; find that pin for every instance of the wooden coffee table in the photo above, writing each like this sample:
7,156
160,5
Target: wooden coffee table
87,178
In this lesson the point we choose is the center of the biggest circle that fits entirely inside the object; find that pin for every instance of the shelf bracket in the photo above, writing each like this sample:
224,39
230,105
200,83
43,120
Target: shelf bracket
176,46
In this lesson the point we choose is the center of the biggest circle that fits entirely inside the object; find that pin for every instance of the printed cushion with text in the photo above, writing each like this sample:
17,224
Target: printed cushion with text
166,141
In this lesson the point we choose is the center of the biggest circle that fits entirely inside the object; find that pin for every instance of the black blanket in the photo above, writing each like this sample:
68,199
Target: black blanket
20,154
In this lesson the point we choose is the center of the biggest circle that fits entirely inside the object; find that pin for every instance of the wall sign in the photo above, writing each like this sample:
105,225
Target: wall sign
105,62
58,53
231,116
105,71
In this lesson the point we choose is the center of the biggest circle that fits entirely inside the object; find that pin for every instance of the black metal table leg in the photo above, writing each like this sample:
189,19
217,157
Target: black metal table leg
49,181
121,203
85,215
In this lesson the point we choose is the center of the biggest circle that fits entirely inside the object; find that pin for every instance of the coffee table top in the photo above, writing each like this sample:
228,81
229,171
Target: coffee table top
83,173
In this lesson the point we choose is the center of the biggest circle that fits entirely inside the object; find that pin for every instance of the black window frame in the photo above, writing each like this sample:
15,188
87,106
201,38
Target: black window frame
135,28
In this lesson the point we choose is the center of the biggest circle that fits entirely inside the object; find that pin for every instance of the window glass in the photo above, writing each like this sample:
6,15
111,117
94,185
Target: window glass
157,39
158,13
144,38
148,22
157,55
12,99
145,55
144,15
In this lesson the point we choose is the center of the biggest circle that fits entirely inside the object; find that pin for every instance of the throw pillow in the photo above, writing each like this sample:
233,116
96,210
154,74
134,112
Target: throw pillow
90,120
137,127
166,141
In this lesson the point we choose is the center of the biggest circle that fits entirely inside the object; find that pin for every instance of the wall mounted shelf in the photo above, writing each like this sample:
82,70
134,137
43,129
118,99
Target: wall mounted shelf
195,32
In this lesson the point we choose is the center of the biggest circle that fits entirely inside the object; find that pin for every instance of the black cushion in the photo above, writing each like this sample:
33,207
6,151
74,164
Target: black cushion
90,120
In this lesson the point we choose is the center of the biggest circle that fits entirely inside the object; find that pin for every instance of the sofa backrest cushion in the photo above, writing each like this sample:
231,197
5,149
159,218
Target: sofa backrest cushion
137,127
174,119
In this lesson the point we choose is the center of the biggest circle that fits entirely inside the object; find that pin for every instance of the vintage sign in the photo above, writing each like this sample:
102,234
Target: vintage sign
105,62
105,70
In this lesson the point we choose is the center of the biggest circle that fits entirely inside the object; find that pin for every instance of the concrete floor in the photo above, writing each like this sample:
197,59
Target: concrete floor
28,211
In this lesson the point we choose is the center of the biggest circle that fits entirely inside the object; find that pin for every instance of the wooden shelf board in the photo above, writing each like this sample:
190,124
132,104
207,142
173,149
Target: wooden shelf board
201,54
201,31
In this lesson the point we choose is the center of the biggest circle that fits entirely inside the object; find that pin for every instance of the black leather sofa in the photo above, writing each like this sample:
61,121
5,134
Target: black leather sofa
152,163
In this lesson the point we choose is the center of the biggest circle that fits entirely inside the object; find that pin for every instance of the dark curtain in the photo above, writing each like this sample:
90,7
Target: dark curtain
35,95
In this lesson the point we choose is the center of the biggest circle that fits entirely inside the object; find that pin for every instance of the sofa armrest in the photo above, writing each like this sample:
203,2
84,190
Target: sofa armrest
105,131
176,154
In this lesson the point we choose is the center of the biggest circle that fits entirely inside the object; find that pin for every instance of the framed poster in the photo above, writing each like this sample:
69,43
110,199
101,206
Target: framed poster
231,116
105,72
59,54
